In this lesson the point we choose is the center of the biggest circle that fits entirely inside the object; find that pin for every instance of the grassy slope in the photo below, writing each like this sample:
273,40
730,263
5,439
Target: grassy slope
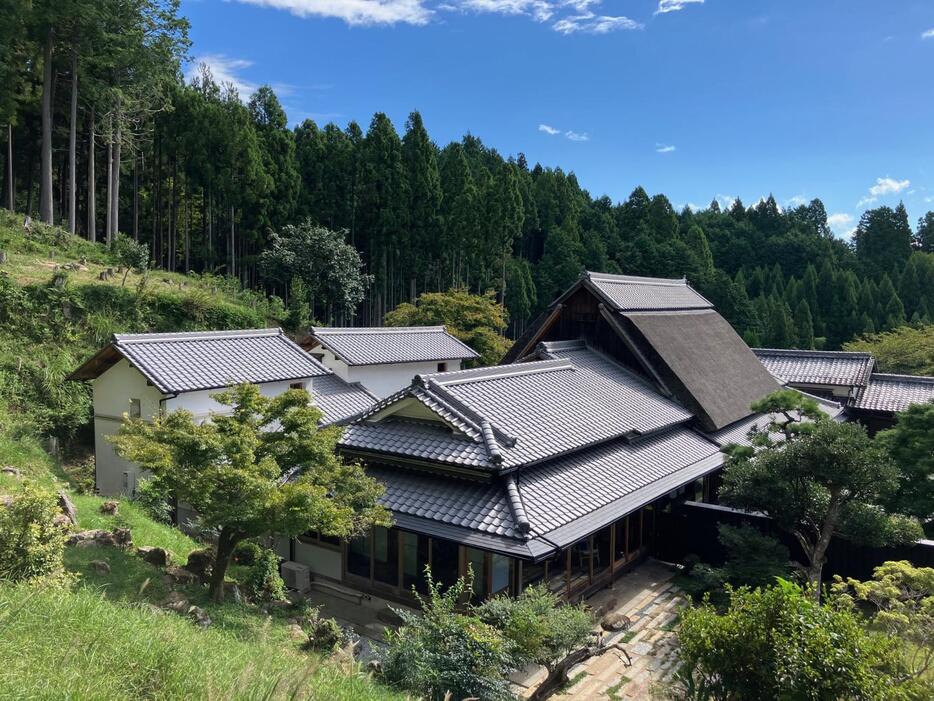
100,637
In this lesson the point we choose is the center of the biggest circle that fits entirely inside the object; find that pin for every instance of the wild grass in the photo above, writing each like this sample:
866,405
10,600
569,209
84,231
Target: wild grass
78,644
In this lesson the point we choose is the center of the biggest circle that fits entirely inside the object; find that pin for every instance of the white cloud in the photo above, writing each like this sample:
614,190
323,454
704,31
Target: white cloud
577,136
548,130
539,10
354,12
589,23
883,186
929,34
888,186
795,201
666,6
840,220
225,70
664,148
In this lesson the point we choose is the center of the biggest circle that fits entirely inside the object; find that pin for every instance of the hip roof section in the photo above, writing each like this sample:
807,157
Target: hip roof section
388,345
834,368
894,393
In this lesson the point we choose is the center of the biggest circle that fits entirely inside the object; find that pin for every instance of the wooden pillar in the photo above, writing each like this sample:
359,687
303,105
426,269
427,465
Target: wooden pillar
590,544
612,553
567,573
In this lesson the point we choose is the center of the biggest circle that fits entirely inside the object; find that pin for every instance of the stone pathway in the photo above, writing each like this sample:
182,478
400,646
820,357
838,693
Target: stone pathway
653,604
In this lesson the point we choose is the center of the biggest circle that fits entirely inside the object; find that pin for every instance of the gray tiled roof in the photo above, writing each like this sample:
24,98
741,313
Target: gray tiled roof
338,399
568,497
837,368
534,410
632,293
569,487
477,505
894,393
184,362
422,440
404,344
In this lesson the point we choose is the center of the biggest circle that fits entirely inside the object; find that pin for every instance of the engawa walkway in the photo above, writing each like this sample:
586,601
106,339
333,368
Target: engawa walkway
652,602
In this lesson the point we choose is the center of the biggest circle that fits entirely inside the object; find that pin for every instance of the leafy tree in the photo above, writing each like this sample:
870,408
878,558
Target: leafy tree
906,350
779,643
477,320
330,268
910,444
829,480
263,468
277,147
130,255
752,559
902,599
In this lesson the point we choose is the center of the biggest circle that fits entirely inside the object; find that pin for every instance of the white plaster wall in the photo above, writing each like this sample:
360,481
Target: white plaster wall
323,562
331,361
112,392
383,380
201,404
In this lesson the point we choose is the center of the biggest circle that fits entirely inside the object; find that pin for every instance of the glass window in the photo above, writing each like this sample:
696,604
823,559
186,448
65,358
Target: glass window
135,409
476,560
445,556
297,385
500,572
620,527
386,556
414,559
358,556
442,367
635,533
601,550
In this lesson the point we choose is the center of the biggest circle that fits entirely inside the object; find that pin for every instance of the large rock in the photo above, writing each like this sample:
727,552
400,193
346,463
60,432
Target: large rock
175,601
159,557
232,593
100,566
68,508
200,562
179,575
615,621
118,538
12,471
199,616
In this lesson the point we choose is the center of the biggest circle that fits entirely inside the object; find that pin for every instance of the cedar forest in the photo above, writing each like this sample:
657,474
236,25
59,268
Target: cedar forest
104,135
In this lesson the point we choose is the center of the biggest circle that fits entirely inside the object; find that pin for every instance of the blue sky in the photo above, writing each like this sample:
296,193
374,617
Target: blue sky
693,98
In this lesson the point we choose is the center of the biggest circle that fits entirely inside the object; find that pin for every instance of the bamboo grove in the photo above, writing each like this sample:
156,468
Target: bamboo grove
104,135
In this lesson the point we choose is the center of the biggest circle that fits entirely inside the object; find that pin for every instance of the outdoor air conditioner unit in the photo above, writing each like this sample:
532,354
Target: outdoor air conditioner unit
296,576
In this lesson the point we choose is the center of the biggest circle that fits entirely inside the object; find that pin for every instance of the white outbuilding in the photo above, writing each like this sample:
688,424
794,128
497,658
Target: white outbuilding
385,359
144,375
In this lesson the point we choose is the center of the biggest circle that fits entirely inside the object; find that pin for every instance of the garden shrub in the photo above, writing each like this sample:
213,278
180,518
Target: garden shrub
152,496
31,545
247,553
443,651
324,634
263,582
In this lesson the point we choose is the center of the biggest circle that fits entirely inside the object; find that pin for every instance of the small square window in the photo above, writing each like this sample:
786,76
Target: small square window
297,385
135,409
442,367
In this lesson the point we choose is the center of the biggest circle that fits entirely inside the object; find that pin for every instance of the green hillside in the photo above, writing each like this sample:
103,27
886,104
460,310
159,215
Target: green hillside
102,634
